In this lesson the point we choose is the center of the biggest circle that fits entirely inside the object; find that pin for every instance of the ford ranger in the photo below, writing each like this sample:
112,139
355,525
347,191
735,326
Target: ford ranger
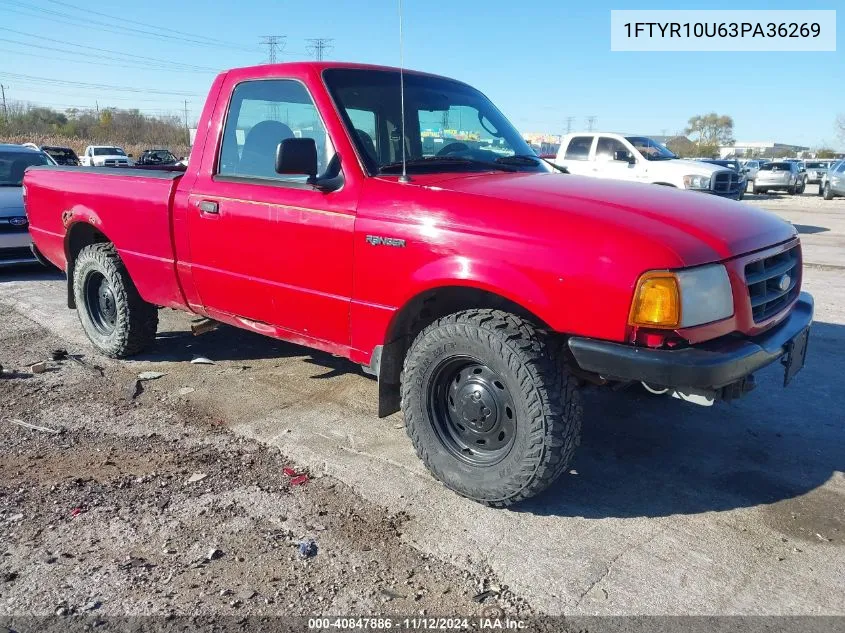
481,287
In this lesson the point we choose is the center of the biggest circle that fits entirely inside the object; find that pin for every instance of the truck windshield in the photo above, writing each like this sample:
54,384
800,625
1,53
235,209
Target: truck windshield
650,149
449,126
14,164
108,151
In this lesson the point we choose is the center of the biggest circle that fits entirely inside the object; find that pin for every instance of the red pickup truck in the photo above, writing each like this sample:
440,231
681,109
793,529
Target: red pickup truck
481,286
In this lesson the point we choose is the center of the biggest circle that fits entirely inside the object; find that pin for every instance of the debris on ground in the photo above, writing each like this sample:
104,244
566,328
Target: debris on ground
308,548
202,360
184,391
58,354
142,545
76,512
196,477
38,368
34,427
134,389
150,375
296,478
214,554
94,369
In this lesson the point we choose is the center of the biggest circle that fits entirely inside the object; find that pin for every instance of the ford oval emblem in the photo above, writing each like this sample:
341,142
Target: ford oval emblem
18,221
783,283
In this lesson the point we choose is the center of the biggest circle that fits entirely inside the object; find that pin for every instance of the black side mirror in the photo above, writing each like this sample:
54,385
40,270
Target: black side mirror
297,156
625,156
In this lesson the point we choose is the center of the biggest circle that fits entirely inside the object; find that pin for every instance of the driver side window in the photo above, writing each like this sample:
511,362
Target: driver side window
606,148
261,115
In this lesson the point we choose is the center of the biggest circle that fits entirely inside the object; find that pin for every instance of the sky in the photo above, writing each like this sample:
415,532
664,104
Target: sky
539,61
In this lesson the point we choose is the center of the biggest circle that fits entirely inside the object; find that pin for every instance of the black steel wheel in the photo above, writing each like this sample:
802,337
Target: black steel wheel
100,303
472,411
114,316
489,405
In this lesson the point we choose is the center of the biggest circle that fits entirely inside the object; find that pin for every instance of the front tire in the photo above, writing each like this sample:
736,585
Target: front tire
489,406
828,194
114,316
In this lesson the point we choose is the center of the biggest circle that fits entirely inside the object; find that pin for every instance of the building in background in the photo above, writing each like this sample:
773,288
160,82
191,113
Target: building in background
764,149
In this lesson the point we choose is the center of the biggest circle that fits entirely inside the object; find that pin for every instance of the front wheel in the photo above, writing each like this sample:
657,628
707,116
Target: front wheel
114,316
489,406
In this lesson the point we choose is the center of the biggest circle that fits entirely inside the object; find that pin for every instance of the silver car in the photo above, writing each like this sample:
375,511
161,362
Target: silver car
816,169
751,167
833,181
779,176
15,243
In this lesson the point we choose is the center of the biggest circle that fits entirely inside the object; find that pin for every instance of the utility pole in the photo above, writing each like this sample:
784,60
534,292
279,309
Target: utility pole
569,121
5,110
275,44
187,130
319,46
591,120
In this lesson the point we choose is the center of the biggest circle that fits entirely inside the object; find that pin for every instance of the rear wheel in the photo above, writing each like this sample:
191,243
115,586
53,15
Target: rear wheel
828,194
114,316
791,190
489,406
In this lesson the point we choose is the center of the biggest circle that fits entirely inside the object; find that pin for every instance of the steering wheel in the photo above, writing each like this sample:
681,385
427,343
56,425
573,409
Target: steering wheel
453,148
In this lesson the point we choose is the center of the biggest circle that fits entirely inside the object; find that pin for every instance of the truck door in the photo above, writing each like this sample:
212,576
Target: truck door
612,160
264,246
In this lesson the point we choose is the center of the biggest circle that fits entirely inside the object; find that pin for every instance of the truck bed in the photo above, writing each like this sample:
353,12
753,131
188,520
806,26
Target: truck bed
134,206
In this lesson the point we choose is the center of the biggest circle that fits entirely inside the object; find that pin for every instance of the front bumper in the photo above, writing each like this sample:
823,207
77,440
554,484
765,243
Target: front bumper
15,249
706,366
732,194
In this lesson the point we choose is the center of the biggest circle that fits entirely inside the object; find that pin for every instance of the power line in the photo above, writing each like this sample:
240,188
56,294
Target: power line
275,44
140,59
5,110
81,84
213,41
569,121
88,61
318,46
65,18
591,120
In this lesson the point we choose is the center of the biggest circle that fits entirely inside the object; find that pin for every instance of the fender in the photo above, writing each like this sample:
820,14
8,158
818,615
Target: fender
494,277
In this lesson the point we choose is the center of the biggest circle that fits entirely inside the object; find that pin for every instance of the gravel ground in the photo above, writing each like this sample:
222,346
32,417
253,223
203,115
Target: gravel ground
99,513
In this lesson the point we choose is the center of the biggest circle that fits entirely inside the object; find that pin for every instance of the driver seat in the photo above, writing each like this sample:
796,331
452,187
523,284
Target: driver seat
258,157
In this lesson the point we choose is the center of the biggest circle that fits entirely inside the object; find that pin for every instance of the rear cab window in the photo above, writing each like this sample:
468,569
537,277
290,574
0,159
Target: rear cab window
579,148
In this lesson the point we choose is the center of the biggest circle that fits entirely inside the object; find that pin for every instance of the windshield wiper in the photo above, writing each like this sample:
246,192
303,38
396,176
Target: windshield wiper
445,160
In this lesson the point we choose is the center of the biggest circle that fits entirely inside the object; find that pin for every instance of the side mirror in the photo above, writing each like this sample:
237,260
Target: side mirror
297,156
624,156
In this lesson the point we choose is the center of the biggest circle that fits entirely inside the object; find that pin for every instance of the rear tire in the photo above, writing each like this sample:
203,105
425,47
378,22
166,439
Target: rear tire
757,191
828,194
489,406
114,316
791,191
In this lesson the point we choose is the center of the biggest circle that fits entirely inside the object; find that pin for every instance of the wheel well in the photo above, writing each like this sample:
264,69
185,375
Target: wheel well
665,184
79,236
414,317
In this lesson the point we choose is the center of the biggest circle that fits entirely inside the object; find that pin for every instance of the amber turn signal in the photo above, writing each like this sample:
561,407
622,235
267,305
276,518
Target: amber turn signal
657,301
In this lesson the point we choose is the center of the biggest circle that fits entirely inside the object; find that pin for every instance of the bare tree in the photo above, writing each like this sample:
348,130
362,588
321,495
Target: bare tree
709,131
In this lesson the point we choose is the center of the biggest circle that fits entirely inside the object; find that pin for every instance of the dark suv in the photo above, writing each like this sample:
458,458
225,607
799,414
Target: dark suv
62,155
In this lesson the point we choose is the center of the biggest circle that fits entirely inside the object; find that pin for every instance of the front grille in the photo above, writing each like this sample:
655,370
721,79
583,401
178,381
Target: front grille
6,226
15,254
773,283
725,181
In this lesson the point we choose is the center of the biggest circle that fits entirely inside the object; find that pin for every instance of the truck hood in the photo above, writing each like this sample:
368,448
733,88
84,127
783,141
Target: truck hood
698,227
11,201
682,167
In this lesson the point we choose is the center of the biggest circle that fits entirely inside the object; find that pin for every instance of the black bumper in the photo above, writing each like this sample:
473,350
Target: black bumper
710,365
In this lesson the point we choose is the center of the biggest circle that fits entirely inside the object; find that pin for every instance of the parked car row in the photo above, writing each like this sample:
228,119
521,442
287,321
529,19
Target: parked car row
832,183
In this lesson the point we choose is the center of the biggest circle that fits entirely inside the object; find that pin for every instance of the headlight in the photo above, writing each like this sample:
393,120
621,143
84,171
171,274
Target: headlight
697,182
687,298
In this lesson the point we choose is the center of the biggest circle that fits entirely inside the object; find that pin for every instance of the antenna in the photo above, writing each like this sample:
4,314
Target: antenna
404,177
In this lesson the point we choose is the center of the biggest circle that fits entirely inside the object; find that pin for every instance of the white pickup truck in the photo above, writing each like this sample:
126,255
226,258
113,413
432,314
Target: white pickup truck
104,156
641,159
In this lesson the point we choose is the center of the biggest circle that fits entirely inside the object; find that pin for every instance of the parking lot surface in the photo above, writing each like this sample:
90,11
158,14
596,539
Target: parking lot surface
669,508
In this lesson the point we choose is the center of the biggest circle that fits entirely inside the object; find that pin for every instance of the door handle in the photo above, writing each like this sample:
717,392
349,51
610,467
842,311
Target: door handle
207,206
